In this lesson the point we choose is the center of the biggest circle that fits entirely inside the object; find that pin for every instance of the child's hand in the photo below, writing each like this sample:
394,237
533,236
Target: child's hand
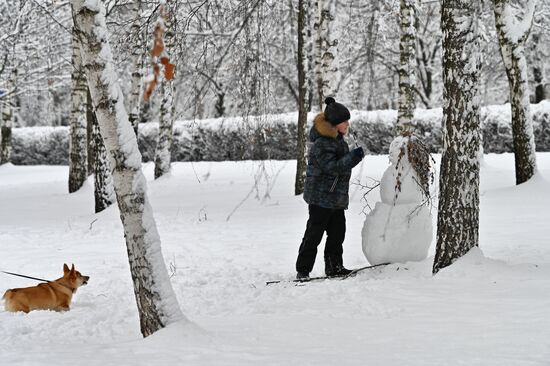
358,152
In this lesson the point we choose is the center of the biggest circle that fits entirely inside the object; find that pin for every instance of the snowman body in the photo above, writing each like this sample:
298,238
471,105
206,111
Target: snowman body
399,229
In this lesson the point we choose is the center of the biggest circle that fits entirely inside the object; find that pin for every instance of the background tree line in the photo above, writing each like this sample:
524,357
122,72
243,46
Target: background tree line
239,57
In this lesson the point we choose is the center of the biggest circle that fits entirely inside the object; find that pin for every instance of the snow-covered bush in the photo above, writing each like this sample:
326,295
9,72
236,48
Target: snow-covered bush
40,145
273,136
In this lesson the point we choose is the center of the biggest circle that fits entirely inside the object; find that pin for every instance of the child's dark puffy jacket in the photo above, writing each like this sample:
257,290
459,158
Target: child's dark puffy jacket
329,167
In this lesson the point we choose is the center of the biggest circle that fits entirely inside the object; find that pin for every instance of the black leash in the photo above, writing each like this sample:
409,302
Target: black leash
20,275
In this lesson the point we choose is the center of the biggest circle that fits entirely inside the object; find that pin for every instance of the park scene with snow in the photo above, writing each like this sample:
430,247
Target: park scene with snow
313,182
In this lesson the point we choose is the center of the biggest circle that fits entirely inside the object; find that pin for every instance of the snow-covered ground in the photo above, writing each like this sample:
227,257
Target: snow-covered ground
490,308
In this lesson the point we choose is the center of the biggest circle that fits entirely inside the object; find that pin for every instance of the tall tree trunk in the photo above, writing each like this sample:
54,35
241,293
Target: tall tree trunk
407,57
302,109
458,216
90,120
537,66
134,104
8,117
512,36
540,93
310,50
1,129
12,104
166,121
78,144
5,131
104,192
326,55
219,107
156,302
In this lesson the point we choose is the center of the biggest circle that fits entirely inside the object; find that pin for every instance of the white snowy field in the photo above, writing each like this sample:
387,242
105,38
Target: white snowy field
490,308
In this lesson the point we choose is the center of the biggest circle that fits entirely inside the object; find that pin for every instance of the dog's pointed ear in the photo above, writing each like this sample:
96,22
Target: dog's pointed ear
72,268
65,268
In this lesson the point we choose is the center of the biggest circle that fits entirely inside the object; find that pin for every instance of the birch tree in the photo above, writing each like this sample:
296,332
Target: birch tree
163,43
302,89
458,215
538,69
104,193
512,36
9,116
5,137
2,158
311,11
78,142
407,54
326,49
5,132
156,302
134,104
10,102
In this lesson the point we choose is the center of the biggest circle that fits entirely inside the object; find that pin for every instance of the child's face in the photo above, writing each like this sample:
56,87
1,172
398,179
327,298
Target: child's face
343,127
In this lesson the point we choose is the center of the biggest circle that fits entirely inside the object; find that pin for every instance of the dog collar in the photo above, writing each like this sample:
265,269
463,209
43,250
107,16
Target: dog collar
73,290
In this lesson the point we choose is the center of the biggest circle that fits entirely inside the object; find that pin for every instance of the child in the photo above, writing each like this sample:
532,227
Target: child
326,190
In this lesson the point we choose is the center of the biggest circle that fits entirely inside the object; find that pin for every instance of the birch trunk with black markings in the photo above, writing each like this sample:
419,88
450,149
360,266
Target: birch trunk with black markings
78,142
407,56
8,116
512,36
134,102
156,302
166,120
326,49
301,163
104,192
458,215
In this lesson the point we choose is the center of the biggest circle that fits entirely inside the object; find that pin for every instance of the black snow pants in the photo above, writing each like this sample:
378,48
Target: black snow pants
333,221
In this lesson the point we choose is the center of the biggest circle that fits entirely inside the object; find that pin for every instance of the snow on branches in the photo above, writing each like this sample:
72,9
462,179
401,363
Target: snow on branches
409,152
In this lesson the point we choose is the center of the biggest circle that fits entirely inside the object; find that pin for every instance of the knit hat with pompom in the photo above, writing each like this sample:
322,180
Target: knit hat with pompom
335,113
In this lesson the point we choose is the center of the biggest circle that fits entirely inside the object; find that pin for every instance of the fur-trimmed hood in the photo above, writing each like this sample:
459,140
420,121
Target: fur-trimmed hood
322,127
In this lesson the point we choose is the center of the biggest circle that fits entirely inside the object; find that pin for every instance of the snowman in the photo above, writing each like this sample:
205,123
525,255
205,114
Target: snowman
399,229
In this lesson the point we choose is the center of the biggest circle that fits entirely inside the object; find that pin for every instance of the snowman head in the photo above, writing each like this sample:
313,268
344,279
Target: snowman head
397,145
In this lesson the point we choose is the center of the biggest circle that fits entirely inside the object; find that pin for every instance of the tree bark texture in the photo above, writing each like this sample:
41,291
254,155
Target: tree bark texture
8,115
156,302
5,136
326,50
166,126
90,120
166,120
134,104
407,57
302,90
537,66
78,142
458,215
512,50
310,53
104,193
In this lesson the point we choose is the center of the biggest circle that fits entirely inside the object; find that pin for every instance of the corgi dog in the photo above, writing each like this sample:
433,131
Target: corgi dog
54,295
